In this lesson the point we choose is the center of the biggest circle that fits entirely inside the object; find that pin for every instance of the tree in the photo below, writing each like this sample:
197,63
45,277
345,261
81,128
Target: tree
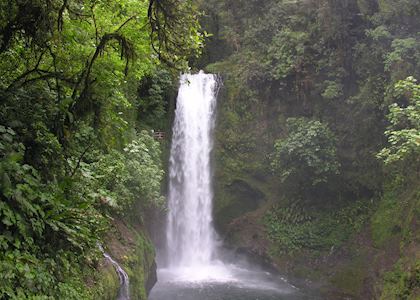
175,33
307,156
71,154
403,133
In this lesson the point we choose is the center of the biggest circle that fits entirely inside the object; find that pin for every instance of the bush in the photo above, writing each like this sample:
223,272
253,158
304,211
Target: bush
44,227
118,179
307,156
404,130
293,228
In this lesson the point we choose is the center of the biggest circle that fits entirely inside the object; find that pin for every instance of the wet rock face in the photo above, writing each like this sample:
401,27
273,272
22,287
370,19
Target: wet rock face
235,200
151,278
130,246
107,285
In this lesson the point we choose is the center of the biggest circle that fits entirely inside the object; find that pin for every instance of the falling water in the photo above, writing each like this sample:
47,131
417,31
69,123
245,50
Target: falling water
190,234
124,292
193,270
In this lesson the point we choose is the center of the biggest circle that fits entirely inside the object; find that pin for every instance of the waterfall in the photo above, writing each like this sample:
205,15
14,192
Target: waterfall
124,292
192,268
191,239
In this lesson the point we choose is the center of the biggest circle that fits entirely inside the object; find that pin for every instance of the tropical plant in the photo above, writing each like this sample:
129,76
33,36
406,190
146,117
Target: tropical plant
403,133
307,156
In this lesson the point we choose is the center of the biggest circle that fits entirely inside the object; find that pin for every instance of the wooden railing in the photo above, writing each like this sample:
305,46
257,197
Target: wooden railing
159,135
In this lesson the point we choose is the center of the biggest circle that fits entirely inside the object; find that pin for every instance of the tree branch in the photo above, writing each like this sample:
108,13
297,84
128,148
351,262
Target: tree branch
80,160
27,73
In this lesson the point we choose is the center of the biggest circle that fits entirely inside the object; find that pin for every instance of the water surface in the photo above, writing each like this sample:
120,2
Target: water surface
242,285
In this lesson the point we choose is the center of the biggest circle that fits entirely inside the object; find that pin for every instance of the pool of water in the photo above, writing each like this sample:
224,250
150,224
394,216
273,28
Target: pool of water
243,284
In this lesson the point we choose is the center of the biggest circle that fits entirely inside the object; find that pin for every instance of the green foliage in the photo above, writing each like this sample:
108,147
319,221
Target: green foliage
403,51
25,276
285,53
93,57
107,284
66,216
121,178
403,132
379,33
153,94
175,31
142,258
326,60
307,155
397,208
337,62
386,221
51,225
402,282
71,157
292,229
43,228
333,90
289,229
31,209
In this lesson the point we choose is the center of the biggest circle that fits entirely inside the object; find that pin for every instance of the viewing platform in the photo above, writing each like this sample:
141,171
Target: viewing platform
159,135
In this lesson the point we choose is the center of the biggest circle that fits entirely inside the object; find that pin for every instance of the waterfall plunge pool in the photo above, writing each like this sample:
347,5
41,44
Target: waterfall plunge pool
218,283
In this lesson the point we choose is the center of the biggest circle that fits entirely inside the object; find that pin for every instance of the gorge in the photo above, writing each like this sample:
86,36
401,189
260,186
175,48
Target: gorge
193,267
292,172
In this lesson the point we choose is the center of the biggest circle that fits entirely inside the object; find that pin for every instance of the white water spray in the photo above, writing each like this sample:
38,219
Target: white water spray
191,239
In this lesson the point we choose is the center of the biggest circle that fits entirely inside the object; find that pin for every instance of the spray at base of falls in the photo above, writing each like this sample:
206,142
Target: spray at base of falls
191,238
124,291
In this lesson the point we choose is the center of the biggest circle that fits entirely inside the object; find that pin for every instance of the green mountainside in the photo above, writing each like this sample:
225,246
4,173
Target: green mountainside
317,147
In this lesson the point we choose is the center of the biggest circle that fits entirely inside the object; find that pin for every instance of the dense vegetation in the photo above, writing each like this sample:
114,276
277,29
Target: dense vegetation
319,136
317,148
82,86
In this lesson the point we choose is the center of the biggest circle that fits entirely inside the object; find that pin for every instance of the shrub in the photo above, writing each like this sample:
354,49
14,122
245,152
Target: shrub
307,156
